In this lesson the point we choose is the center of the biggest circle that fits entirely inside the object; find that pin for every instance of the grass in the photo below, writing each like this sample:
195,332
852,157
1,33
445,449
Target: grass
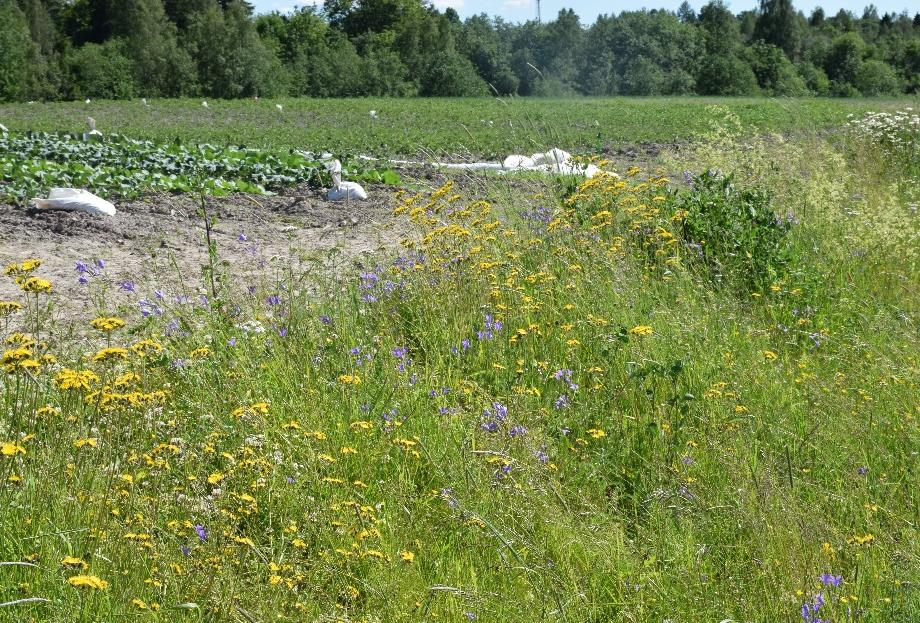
462,127
552,406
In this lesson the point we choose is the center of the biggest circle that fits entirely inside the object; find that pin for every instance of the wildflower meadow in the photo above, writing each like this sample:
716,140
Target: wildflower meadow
687,391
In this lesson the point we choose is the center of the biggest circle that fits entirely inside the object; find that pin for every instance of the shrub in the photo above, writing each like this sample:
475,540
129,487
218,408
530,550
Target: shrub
102,71
733,231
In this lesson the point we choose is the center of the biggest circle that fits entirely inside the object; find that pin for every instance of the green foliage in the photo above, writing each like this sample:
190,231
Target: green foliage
721,74
877,78
102,71
16,48
117,166
481,127
776,75
397,48
734,232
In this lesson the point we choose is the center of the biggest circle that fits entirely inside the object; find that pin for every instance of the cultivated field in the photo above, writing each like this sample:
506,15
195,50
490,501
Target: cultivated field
686,389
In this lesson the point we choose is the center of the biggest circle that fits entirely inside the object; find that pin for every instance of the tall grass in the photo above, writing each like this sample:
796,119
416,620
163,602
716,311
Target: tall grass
549,409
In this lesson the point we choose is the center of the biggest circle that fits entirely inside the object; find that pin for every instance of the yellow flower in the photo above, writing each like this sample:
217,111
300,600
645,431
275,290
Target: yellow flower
16,355
71,561
9,448
350,379
144,347
641,330
73,379
23,268
7,308
407,556
107,323
88,441
862,540
26,364
88,581
596,433
769,355
107,354
36,285
215,478
137,603
200,353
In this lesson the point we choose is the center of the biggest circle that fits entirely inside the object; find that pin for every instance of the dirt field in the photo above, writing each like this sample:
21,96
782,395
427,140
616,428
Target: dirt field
159,241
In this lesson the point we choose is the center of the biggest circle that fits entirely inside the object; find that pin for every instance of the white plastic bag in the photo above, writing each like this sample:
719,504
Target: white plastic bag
91,134
343,191
74,200
3,129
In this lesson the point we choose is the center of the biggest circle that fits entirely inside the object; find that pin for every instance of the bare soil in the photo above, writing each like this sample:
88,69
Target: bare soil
161,238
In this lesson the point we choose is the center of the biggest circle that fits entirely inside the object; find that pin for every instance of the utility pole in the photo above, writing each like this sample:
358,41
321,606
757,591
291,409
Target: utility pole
538,12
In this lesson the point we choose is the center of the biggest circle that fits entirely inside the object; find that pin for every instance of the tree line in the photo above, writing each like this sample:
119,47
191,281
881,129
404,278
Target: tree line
116,49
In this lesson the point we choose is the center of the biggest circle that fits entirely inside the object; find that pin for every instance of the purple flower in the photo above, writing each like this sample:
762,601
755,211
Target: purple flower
541,454
100,263
231,342
562,402
185,550
400,351
128,286
862,471
829,579
290,480
501,411
517,431
490,427
82,268
465,344
201,532
274,299
159,294
444,411
242,237
83,280
283,332
325,319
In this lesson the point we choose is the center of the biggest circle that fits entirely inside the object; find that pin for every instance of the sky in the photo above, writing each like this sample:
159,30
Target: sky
523,10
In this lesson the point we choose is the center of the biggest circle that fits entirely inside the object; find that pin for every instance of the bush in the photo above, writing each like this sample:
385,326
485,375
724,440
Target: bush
734,232
726,75
877,78
102,71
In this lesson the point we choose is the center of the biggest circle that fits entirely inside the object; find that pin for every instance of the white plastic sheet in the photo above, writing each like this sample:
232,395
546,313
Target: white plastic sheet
553,161
75,200
343,191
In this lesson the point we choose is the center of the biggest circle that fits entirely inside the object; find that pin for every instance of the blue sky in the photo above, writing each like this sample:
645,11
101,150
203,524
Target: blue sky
522,10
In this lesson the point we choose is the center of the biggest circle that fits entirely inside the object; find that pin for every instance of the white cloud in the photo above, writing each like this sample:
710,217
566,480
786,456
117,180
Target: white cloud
516,5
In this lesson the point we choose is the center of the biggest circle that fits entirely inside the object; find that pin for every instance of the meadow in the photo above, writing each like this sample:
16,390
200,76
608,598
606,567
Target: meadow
685,392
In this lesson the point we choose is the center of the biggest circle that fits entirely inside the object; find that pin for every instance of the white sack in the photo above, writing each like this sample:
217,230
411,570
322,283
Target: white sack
74,200
343,191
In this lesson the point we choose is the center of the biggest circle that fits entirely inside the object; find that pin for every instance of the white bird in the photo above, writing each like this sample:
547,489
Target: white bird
92,133
373,114
144,101
279,107
87,101
205,104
